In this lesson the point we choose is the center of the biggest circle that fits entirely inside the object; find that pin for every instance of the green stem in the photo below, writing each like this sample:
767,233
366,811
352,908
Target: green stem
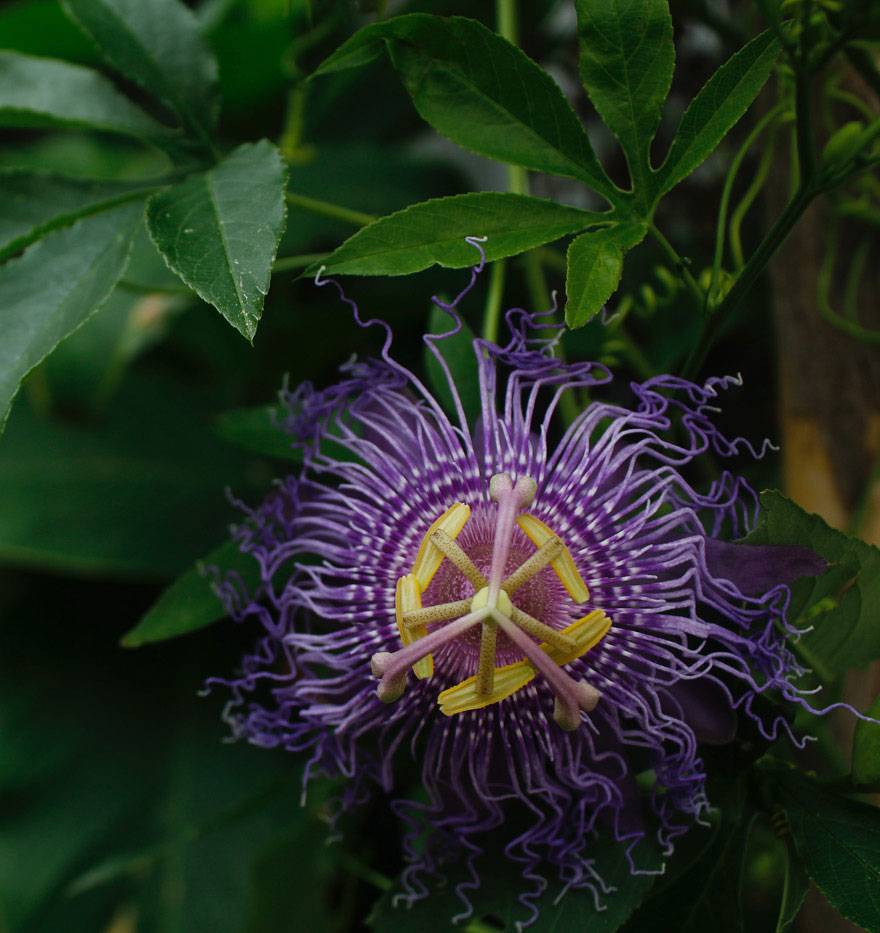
680,266
754,267
747,200
492,314
325,209
287,263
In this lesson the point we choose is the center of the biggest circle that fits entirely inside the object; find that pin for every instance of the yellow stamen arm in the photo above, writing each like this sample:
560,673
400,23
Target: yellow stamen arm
586,633
563,565
408,600
429,556
464,696
538,629
456,555
486,666
439,613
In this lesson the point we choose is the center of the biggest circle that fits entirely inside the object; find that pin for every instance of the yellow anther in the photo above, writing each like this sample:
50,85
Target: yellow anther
586,633
430,557
464,696
563,565
407,599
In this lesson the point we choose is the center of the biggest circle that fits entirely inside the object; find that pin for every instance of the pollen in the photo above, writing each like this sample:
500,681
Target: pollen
545,649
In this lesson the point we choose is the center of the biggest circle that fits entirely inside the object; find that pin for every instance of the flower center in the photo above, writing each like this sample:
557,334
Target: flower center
494,610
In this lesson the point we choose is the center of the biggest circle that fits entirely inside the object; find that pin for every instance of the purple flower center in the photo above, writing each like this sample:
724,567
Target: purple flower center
497,587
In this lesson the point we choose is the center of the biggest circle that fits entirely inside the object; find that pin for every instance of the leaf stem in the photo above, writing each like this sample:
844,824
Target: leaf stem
302,261
326,209
679,265
492,313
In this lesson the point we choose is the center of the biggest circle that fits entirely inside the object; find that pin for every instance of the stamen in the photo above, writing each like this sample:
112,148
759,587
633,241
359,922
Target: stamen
510,500
486,666
537,562
571,695
563,565
439,613
539,630
429,557
453,550
464,696
586,632
407,601
392,667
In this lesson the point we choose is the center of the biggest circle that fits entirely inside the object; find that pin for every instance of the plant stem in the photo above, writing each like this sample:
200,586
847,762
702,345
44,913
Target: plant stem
680,266
492,314
286,263
325,209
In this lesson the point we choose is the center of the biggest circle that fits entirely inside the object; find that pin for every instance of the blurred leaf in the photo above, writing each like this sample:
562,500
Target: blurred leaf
839,841
258,429
795,889
159,45
716,108
141,496
55,286
46,92
190,603
481,92
626,63
496,897
459,355
219,231
866,748
434,232
34,203
40,27
594,268
840,604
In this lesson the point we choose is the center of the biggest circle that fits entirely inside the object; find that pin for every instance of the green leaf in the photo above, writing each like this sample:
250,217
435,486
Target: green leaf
495,897
866,748
55,286
259,430
434,232
840,604
191,603
797,885
157,44
839,841
141,495
719,105
219,230
481,92
595,264
626,63
458,353
46,92
33,204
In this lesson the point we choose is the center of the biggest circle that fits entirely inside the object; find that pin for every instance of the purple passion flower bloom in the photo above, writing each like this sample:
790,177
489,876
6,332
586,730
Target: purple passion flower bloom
527,617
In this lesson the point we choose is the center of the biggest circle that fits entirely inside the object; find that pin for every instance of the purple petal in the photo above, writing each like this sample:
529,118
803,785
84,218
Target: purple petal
758,568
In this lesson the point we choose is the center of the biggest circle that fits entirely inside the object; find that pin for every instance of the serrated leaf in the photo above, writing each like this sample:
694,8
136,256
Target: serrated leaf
717,107
481,92
434,232
840,604
839,841
866,748
45,92
458,353
626,63
191,603
595,264
500,880
33,204
55,286
219,230
159,45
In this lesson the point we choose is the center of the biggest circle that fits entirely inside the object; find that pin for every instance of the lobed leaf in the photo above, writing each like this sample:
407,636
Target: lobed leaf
47,293
159,45
626,63
45,92
717,107
839,842
33,204
595,265
482,92
434,232
219,230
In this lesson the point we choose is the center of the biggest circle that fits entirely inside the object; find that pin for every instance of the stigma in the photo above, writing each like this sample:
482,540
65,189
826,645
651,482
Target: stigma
545,649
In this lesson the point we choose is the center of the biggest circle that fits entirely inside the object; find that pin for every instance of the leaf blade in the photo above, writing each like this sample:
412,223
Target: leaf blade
434,232
219,231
